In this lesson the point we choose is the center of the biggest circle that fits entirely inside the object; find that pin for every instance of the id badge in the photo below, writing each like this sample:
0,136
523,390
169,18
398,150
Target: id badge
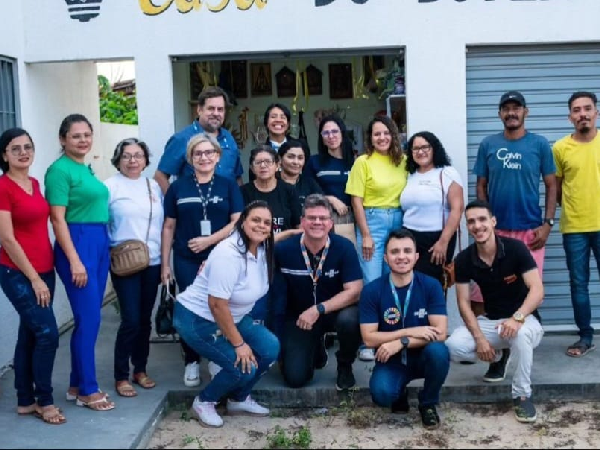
205,228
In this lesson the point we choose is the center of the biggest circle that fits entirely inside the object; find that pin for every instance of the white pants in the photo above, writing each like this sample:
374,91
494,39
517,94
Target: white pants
463,348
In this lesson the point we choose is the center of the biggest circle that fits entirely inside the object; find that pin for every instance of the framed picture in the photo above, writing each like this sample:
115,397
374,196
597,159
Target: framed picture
314,82
233,78
340,81
260,79
285,80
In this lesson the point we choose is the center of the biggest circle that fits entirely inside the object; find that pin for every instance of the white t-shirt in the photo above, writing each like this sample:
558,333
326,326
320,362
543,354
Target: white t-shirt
421,199
129,209
239,278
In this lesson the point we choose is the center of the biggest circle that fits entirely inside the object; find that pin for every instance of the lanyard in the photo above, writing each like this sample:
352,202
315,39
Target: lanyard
402,310
316,274
204,200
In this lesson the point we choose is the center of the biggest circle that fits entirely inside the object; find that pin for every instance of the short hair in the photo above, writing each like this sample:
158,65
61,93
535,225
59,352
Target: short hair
212,92
400,234
315,201
288,145
583,94
120,148
266,149
440,157
479,204
68,122
5,139
283,108
199,139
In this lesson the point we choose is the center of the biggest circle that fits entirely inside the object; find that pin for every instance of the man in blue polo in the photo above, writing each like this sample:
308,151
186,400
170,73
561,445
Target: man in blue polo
212,104
318,282
403,316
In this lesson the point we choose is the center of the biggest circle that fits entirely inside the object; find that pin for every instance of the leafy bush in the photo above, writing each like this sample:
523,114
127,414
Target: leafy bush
116,107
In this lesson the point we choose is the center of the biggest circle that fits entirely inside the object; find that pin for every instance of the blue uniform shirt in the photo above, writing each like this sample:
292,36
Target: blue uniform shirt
182,202
173,161
513,169
331,176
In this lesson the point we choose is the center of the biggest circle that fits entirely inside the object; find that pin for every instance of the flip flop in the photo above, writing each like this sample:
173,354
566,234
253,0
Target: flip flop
94,404
125,389
144,381
72,397
49,415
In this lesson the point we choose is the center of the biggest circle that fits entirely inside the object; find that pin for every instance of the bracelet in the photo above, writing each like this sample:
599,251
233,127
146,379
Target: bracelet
240,345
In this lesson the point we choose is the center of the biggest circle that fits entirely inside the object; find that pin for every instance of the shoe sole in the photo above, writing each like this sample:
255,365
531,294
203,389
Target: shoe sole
494,380
246,413
526,420
204,424
192,383
339,389
431,427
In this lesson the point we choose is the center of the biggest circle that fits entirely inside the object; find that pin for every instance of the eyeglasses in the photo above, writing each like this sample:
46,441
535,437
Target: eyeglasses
319,218
27,148
136,156
208,153
263,162
422,148
328,133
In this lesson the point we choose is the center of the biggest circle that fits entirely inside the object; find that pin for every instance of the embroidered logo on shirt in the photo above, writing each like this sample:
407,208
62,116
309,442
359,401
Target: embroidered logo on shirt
216,199
392,316
331,273
421,313
510,279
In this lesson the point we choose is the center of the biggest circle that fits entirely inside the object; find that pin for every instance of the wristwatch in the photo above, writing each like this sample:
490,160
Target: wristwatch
405,341
549,222
321,308
519,317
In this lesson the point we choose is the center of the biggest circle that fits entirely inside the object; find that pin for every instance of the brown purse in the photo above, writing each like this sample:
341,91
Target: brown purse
132,256
448,278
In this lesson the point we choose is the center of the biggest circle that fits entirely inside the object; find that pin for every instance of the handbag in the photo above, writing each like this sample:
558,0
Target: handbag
163,320
448,277
132,256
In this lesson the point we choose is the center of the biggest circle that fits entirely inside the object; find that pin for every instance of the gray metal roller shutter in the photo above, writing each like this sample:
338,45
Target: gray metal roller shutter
546,75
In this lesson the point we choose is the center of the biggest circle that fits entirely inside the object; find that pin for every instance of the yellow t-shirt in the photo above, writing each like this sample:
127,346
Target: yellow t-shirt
377,181
578,164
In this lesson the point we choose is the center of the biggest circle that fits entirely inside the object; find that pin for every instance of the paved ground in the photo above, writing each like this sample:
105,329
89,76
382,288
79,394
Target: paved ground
555,376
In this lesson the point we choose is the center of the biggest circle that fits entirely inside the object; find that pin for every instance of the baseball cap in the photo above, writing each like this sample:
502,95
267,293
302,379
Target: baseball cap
512,96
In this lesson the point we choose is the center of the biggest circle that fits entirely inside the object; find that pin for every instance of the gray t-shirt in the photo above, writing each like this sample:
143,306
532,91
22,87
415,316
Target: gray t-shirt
238,278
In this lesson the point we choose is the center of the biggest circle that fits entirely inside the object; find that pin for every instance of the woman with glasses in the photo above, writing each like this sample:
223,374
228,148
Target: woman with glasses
27,276
331,167
281,197
200,211
79,214
292,159
432,202
136,212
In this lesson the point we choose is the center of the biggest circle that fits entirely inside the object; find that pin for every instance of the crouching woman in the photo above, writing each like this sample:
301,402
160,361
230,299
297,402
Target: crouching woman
212,316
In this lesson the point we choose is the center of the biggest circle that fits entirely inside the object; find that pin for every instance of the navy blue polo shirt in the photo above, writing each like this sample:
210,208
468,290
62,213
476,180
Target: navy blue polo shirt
294,292
331,176
502,285
182,203
174,162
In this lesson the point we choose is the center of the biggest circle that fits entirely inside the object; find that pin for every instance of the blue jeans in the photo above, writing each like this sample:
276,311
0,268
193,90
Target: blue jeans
186,271
389,380
381,222
577,249
92,245
205,338
136,294
37,339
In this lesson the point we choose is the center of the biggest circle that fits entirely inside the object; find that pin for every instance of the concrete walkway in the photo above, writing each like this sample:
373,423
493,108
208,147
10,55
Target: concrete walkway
129,425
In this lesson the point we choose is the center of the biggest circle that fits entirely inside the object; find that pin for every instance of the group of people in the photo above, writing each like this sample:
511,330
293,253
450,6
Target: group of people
310,245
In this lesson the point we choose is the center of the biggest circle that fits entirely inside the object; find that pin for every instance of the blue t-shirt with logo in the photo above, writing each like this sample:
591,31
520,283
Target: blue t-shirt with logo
377,304
173,160
513,169
183,203
331,176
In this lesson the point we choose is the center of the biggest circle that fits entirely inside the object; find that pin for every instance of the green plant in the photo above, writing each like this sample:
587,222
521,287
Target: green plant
116,107
300,438
187,439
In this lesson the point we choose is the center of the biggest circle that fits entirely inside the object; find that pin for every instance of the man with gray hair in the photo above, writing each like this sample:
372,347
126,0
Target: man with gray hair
316,289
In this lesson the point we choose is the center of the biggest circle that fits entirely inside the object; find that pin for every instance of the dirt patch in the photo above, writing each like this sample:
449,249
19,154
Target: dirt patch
559,425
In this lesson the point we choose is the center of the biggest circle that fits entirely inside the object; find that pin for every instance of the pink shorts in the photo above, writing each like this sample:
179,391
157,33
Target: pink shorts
524,236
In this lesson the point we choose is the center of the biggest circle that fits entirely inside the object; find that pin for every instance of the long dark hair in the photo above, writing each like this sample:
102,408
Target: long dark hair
5,139
440,157
346,145
269,244
395,152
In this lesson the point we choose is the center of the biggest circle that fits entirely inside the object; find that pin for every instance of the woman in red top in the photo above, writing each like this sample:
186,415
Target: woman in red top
27,276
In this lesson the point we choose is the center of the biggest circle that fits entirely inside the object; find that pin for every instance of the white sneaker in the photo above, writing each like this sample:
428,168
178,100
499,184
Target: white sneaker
191,378
207,415
248,406
213,369
366,354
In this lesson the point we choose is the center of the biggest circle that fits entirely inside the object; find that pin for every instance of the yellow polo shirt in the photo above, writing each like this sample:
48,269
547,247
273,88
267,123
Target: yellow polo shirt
377,181
578,164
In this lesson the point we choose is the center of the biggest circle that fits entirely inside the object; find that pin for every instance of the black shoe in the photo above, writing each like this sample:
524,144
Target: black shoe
429,417
497,370
401,405
345,377
524,410
321,357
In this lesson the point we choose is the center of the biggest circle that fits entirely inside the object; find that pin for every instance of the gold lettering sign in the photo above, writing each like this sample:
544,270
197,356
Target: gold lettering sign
150,8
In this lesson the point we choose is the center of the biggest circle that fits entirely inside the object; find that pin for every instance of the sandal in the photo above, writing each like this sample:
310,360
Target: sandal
72,397
50,415
580,348
102,404
125,389
27,410
143,380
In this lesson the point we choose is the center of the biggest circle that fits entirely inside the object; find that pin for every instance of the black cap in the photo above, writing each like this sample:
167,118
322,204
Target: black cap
512,96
